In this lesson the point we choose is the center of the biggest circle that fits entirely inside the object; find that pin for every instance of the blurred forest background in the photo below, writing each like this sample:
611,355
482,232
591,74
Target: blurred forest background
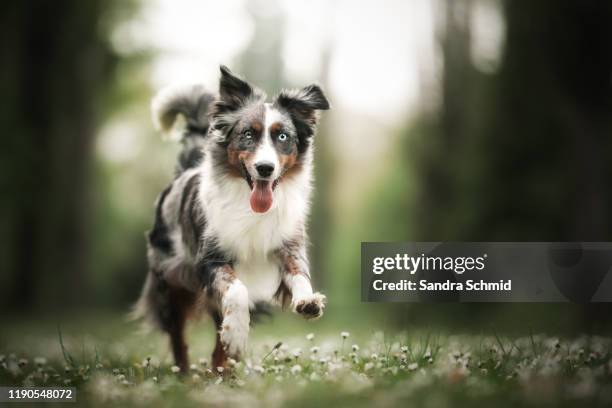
452,120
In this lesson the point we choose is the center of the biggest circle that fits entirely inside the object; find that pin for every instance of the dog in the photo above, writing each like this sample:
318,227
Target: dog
230,229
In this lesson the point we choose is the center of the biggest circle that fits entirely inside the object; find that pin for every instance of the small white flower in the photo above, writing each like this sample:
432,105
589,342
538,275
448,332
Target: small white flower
175,369
40,361
345,334
203,361
404,349
355,348
374,356
193,367
314,350
413,366
155,379
296,369
310,336
322,360
297,352
120,377
368,366
231,362
259,369
220,369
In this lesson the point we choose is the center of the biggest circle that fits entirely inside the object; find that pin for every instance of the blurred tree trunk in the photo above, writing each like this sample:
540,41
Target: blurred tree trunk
54,68
440,154
321,221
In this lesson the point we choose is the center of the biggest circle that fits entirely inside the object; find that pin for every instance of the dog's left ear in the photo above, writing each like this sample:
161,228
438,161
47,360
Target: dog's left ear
303,102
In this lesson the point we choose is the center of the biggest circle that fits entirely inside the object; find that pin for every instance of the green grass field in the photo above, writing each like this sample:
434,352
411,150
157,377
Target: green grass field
113,363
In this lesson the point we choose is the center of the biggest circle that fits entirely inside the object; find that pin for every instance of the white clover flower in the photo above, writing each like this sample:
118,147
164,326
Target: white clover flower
355,348
120,377
297,352
374,356
193,367
310,336
413,366
155,379
368,366
322,360
220,369
175,369
258,369
203,362
314,350
296,369
40,361
345,334
404,349
231,362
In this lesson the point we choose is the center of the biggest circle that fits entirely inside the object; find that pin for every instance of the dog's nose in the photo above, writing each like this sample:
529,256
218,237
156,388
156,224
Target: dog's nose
264,169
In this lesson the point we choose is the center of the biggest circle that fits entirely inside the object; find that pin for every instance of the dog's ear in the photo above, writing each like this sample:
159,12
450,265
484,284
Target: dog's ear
234,92
303,102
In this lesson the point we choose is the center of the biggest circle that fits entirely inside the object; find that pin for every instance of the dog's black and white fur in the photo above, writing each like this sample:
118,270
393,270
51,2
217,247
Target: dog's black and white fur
229,230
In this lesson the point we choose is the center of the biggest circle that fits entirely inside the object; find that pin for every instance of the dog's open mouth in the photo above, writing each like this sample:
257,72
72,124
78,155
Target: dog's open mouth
261,191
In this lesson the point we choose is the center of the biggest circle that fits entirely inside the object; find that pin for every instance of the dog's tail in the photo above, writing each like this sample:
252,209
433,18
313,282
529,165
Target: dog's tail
192,103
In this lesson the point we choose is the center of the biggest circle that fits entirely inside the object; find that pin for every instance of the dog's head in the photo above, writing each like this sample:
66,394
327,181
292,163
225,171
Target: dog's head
263,143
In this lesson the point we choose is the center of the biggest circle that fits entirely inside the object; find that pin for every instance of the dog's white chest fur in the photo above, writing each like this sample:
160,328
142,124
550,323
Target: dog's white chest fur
252,238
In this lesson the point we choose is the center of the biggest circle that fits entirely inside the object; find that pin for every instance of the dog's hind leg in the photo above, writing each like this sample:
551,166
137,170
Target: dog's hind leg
219,357
180,305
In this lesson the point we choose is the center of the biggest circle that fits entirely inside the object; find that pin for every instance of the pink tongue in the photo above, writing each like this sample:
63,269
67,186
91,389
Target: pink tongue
261,196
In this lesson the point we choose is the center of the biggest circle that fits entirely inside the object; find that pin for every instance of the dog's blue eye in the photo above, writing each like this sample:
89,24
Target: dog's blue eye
282,137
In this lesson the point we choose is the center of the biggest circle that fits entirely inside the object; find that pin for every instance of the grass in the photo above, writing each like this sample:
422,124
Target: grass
110,362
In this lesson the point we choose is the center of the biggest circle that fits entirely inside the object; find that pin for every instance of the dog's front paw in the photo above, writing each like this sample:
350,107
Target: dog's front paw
234,335
310,307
